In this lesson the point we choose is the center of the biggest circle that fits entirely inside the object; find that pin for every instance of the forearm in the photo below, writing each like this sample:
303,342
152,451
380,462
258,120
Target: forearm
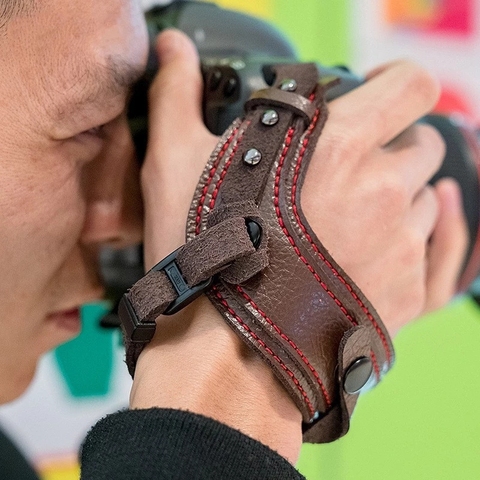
197,363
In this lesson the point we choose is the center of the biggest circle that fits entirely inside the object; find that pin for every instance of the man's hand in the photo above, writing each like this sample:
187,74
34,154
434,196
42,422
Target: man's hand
365,194
365,197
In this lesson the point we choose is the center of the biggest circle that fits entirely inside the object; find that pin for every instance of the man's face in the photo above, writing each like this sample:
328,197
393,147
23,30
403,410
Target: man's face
68,180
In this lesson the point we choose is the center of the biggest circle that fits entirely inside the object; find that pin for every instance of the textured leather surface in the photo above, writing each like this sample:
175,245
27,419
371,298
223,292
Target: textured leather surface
302,313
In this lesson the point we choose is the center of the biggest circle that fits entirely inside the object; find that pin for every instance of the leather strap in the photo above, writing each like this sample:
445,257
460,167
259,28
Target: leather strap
251,249
180,278
303,315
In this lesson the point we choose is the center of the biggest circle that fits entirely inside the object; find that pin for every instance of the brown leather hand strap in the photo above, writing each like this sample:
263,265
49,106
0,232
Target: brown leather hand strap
251,249
303,315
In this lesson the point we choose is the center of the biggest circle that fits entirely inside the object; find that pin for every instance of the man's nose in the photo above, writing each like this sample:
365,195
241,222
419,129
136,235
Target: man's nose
114,213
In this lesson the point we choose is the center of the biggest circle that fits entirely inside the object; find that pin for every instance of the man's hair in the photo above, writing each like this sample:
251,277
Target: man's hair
14,8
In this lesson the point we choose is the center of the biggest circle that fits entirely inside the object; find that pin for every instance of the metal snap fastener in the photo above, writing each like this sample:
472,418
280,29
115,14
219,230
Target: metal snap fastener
270,118
288,85
252,157
358,375
254,231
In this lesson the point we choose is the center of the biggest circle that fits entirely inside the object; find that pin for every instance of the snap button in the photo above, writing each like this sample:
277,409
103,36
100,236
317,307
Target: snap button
358,375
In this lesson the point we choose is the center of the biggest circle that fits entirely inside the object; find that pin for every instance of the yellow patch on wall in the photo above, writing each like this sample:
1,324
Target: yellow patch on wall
261,8
59,469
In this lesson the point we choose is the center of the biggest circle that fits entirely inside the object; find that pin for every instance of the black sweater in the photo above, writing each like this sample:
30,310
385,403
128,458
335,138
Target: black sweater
171,444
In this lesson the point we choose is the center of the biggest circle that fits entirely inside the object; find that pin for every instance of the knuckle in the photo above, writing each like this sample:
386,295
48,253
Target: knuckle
174,80
420,82
392,195
432,143
431,202
415,302
414,249
339,146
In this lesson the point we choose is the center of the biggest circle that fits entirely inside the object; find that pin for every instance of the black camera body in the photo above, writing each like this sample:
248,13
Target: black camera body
236,53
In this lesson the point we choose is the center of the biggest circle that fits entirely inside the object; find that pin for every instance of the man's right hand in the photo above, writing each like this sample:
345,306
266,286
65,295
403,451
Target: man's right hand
366,195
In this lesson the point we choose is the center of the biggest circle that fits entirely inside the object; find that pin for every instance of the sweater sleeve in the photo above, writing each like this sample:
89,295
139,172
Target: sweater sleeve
172,444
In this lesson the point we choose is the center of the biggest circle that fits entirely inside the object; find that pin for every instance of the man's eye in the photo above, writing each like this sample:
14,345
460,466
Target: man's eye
96,131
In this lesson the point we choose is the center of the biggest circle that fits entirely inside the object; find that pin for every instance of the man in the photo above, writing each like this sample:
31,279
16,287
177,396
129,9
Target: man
70,184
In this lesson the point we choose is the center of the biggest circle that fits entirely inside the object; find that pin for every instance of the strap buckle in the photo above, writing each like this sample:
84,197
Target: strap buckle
186,294
143,332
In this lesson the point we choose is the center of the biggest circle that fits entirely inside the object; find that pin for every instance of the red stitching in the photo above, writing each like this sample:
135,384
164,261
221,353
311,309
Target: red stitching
314,246
217,293
267,349
288,140
285,337
211,174
376,367
224,172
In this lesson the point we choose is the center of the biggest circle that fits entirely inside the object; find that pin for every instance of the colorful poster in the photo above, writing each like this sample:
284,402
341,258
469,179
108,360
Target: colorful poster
434,16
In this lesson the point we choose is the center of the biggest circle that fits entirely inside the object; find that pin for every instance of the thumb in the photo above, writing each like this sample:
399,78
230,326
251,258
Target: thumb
176,94
179,145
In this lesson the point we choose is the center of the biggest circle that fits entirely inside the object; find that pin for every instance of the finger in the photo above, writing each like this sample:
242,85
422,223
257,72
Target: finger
384,106
448,245
416,154
176,93
379,69
178,147
424,213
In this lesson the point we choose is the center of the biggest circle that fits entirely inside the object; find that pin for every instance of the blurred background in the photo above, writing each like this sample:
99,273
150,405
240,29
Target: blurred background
423,421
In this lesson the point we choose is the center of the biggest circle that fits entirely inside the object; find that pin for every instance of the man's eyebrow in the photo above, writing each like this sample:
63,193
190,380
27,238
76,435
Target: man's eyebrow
98,84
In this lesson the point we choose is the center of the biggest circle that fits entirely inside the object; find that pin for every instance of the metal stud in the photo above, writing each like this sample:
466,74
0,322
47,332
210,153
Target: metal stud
315,417
252,157
270,118
288,85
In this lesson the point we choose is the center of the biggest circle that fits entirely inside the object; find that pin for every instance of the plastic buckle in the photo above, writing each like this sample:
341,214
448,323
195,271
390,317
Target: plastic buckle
186,294
143,332
135,330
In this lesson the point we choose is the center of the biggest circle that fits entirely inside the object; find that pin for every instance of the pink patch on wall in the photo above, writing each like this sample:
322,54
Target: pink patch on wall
454,101
455,16
432,16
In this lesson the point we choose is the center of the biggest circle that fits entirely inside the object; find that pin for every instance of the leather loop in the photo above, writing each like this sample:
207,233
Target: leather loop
273,97
183,275
224,244
241,271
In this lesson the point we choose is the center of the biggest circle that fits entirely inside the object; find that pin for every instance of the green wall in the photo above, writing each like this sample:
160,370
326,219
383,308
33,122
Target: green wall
423,421
319,28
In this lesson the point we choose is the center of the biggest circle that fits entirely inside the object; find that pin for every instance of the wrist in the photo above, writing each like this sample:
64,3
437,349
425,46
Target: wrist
197,363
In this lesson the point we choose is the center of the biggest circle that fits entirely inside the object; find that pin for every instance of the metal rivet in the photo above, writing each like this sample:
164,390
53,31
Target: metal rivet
358,375
289,85
315,417
252,157
270,118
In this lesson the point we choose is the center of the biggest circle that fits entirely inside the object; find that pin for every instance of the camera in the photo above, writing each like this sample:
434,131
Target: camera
236,53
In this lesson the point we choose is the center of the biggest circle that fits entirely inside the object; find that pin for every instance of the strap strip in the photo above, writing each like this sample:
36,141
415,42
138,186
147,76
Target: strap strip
180,278
274,97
